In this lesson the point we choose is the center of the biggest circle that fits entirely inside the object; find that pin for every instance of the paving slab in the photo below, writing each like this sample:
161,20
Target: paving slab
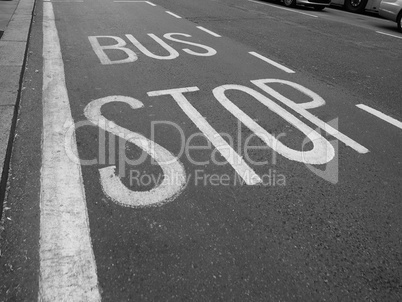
24,7
7,9
6,118
11,53
9,84
18,28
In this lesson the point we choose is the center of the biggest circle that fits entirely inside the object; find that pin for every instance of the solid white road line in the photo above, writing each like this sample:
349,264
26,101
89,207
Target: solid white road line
380,115
67,262
208,31
284,8
269,61
64,1
128,1
380,32
173,14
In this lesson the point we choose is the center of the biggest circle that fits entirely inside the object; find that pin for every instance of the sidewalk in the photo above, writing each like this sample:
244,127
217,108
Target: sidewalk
15,22
7,9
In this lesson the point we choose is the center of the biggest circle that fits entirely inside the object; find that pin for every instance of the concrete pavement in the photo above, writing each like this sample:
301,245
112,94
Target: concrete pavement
15,22
7,8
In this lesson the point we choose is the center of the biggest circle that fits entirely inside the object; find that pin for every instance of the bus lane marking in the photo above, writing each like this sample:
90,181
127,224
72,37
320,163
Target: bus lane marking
322,151
380,115
210,51
131,56
120,45
300,108
173,14
67,263
172,52
209,32
235,160
269,61
174,175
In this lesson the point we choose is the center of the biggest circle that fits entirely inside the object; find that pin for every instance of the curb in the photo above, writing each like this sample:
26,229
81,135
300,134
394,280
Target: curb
13,48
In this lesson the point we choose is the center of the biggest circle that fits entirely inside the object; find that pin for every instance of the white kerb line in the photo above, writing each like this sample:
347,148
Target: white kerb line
284,8
173,14
67,263
380,32
269,61
380,115
208,31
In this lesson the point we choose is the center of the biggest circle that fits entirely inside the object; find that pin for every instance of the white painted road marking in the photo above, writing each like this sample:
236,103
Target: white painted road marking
322,151
127,1
67,262
132,56
382,33
172,52
103,57
210,50
235,160
173,14
284,8
174,175
300,108
269,61
380,115
209,31
64,1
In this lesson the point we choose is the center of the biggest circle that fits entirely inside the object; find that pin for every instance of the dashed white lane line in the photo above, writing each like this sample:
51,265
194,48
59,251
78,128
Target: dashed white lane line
173,14
128,1
382,33
380,115
64,1
67,262
208,31
284,8
269,61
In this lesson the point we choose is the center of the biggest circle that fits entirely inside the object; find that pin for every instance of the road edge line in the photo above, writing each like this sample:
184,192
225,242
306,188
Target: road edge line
67,262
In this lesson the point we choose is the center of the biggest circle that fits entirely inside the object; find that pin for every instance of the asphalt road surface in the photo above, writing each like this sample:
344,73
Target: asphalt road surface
225,150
